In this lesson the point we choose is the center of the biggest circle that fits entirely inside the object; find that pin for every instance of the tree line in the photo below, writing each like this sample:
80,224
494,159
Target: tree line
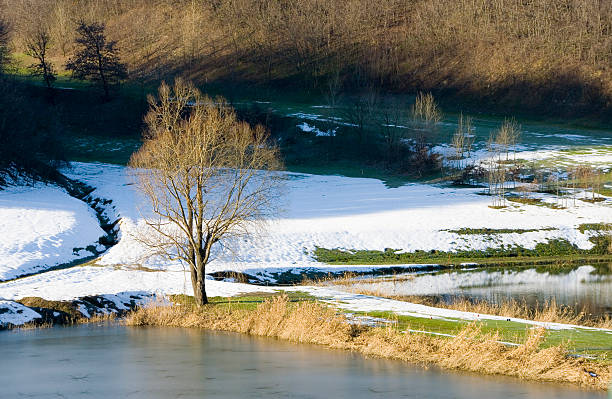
95,59
28,149
29,124
558,51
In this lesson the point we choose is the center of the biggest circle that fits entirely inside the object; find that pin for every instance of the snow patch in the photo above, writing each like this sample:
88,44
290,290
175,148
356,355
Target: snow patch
13,313
305,127
41,226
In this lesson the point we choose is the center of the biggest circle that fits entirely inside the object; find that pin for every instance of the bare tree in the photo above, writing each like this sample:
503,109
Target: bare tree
97,59
205,174
61,28
500,144
392,131
425,116
361,113
37,47
462,140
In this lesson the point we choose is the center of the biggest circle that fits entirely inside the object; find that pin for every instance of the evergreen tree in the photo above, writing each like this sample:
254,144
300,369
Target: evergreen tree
98,59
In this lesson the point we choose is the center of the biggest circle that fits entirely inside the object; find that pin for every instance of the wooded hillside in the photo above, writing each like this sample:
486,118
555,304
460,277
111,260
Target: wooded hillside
551,55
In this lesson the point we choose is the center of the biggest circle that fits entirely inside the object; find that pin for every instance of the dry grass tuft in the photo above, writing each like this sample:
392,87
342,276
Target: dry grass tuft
32,325
98,318
311,322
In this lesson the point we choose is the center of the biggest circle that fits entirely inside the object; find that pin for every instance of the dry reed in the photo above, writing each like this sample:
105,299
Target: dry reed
37,324
311,322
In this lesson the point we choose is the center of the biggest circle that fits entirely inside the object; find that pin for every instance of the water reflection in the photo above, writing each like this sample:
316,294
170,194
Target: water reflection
583,287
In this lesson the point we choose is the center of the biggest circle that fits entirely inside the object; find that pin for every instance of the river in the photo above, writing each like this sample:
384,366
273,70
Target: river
111,361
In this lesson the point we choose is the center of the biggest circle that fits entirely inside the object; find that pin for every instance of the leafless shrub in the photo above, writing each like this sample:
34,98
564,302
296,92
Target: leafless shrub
462,140
426,115
499,164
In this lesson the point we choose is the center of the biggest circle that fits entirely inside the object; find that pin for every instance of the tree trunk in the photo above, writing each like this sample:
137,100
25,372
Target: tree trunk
106,92
101,73
199,289
198,278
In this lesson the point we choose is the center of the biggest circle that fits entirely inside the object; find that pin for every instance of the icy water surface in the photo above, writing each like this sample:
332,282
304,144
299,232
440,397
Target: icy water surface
121,362
583,287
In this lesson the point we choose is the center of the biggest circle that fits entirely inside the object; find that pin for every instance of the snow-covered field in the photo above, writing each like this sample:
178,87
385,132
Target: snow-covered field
559,158
42,225
353,213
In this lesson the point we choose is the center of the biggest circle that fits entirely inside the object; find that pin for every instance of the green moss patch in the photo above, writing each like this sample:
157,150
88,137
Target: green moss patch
555,250
484,231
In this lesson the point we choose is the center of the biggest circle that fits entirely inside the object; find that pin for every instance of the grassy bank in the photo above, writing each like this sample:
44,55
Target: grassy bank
472,348
557,252
367,257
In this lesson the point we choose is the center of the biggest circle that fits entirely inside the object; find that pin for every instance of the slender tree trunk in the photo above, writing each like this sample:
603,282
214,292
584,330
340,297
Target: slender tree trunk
201,250
106,93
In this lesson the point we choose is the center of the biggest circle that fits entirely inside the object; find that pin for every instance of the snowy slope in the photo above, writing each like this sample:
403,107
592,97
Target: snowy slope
40,227
353,213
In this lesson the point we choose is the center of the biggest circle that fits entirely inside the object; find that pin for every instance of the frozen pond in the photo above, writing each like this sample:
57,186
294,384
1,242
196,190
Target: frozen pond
583,287
120,362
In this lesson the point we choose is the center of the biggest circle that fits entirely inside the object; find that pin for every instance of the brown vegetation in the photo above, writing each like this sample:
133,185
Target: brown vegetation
4,45
37,324
311,322
559,52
